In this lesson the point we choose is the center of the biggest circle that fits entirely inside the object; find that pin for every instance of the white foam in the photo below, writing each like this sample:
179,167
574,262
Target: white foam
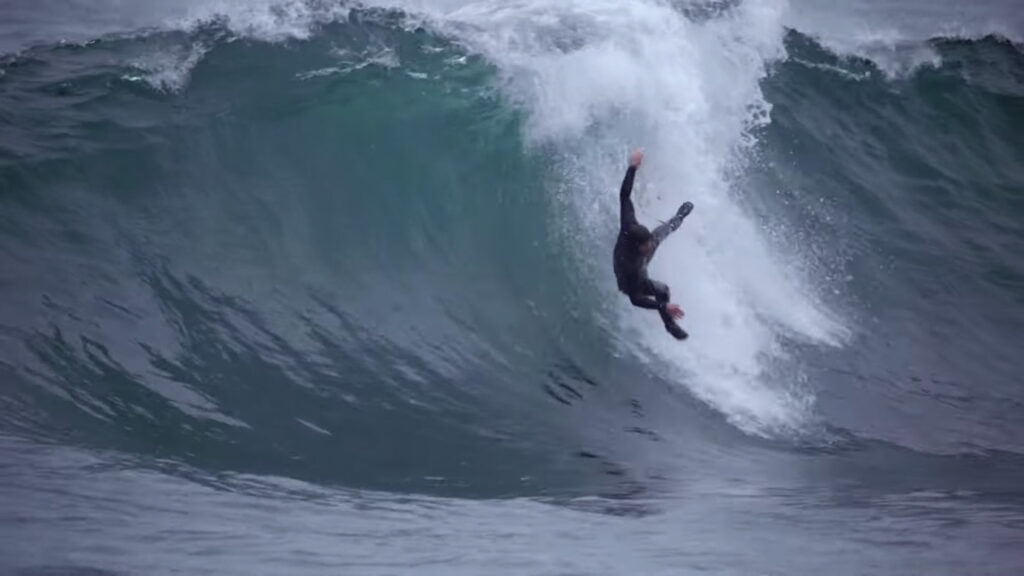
169,69
894,54
313,427
349,61
268,20
598,76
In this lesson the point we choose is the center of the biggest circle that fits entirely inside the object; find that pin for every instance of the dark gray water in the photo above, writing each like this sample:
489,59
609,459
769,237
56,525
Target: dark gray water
308,287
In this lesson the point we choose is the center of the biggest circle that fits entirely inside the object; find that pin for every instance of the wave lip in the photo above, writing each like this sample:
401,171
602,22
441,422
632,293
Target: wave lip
899,37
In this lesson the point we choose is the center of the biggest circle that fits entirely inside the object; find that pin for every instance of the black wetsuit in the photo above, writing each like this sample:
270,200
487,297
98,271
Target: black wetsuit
631,265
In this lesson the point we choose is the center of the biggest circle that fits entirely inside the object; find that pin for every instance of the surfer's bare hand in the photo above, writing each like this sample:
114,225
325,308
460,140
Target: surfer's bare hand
636,158
674,310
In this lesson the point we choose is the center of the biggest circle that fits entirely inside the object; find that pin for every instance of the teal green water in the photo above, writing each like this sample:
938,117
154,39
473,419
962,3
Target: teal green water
341,301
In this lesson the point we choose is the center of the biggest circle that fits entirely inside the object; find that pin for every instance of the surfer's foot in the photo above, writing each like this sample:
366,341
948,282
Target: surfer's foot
676,331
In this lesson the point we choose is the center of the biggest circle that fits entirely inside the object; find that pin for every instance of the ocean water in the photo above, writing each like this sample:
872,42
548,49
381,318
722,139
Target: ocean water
317,287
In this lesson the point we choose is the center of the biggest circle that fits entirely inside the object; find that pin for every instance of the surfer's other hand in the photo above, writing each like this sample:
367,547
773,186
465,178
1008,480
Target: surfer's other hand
636,158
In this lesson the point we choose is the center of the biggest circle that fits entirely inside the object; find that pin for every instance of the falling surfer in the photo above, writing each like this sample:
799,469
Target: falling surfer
634,249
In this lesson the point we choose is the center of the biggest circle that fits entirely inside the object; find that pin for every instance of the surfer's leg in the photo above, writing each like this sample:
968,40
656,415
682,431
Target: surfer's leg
662,231
659,290
661,293
657,235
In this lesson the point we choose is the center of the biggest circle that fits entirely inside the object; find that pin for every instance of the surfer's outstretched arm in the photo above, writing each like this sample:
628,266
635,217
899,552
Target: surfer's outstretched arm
659,301
647,301
650,294
627,213
654,295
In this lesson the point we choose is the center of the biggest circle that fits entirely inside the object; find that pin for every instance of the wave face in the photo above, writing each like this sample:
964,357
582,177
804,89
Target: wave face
315,252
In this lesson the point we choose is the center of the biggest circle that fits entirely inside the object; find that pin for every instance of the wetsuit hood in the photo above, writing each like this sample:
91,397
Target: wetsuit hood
638,234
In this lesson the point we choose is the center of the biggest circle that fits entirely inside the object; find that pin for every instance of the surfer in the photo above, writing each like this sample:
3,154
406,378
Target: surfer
634,249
